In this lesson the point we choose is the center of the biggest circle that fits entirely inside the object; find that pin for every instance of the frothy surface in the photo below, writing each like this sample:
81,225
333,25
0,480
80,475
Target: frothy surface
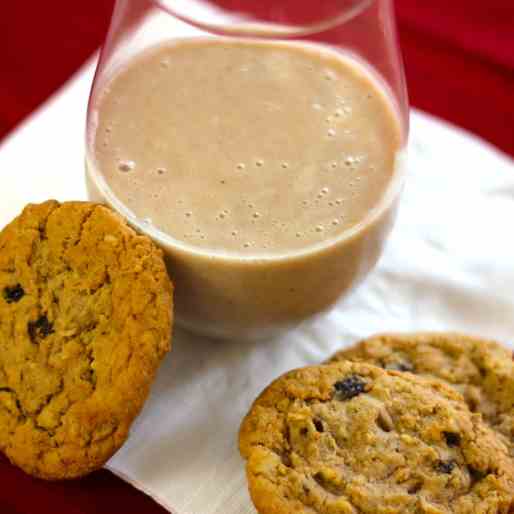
246,147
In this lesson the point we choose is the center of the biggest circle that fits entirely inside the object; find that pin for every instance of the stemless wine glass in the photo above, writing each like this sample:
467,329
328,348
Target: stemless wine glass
186,95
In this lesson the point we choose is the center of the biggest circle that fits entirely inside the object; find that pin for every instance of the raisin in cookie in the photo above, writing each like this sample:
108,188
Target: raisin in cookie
85,319
481,370
351,438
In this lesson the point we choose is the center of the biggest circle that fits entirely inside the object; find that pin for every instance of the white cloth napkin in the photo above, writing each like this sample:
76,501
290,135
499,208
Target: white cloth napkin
449,265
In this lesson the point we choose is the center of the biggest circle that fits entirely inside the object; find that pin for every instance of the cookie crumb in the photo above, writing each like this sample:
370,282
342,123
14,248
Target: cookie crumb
384,420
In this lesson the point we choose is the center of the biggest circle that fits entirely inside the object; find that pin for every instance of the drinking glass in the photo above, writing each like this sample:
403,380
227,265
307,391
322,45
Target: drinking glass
249,297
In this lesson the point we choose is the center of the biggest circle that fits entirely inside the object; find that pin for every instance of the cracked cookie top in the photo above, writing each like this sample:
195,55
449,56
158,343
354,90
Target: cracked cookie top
85,319
481,370
351,438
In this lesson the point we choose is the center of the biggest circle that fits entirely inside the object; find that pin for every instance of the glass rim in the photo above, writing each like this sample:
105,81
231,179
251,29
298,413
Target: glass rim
217,21
242,29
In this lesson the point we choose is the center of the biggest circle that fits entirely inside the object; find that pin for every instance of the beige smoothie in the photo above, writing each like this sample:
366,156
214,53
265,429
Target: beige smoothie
267,171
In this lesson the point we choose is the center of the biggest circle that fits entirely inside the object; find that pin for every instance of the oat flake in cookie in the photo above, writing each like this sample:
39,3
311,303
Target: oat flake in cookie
481,370
85,319
351,438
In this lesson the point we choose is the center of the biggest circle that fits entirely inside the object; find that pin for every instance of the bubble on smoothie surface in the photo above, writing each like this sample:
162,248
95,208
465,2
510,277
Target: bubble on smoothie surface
350,161
126,166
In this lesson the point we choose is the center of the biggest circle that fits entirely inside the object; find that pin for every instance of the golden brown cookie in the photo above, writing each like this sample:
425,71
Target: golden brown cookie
85,319
351,438
481,370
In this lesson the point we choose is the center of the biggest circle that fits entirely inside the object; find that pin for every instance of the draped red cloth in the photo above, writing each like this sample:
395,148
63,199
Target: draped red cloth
459,59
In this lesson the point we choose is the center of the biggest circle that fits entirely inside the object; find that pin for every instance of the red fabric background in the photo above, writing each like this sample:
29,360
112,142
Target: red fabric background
459,58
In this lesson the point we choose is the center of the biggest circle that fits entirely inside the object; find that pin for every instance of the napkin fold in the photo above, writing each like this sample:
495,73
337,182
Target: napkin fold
449,265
